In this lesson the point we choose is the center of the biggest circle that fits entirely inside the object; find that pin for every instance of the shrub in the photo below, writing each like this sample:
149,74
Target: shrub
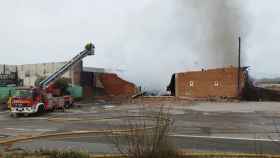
62,84
38,80
150,143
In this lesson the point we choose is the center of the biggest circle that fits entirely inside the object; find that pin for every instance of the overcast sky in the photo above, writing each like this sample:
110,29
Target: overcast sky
147,39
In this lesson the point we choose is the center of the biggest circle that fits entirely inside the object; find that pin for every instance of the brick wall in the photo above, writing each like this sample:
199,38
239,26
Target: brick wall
115,86
209,83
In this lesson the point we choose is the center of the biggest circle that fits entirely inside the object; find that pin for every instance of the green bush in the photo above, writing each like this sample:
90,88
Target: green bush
62,84
38,80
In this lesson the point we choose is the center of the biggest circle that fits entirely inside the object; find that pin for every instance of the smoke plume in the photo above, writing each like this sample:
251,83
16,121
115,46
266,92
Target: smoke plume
181,35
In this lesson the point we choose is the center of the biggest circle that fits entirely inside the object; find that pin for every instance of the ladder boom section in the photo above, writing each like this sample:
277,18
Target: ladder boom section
89,50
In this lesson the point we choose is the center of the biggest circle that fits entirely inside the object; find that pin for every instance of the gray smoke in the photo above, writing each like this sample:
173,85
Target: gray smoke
181,35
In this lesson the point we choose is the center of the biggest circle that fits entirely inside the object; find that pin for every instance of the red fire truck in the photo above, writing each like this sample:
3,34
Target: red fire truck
31,100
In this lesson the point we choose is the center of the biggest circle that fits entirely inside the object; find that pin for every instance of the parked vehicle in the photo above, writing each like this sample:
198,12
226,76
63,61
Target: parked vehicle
29,100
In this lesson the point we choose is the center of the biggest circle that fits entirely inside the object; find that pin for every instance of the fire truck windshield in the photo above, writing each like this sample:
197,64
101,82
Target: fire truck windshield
23,93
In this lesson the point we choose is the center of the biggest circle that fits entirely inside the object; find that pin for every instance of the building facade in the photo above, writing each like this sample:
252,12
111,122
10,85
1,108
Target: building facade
29,73
221,82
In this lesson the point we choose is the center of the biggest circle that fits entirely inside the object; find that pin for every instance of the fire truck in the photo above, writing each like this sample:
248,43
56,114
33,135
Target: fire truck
29,100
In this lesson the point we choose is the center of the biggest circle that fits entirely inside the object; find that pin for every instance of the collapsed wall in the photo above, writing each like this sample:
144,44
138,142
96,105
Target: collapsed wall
115,86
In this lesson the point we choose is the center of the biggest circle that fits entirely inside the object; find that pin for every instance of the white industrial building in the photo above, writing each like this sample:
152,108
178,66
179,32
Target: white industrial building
29,73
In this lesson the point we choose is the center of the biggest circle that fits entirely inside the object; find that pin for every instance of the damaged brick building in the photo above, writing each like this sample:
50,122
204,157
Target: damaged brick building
221,82
102,84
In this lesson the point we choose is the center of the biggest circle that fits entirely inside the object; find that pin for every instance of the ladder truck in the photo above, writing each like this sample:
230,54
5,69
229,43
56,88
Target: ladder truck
40,99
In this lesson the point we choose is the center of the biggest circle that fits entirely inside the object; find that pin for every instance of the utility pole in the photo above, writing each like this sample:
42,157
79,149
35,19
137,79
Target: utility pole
239,64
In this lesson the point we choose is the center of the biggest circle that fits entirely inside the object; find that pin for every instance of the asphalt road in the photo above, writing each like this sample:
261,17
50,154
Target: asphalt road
227,127
103,146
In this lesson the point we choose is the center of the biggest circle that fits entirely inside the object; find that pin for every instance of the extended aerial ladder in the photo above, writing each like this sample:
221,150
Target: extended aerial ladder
89,50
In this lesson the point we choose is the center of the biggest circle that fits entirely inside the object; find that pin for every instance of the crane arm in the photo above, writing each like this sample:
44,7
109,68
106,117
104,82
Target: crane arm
89,50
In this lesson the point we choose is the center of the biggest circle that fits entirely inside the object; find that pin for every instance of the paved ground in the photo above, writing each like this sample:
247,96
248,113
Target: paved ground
252,127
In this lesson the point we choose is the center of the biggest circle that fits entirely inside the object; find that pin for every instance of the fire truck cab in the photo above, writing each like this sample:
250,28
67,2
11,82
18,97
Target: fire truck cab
27,101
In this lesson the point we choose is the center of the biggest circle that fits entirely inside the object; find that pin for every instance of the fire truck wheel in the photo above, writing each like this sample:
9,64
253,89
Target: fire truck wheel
67,105
15,115
41,109
52,109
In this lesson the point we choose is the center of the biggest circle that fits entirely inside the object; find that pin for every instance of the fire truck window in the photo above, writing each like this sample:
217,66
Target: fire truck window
23,93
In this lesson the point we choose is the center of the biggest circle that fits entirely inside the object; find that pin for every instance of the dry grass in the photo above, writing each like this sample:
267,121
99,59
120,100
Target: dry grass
152,143
47,154
81,154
